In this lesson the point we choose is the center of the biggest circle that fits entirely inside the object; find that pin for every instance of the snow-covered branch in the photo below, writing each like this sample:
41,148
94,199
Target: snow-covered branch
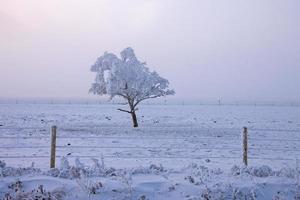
127,77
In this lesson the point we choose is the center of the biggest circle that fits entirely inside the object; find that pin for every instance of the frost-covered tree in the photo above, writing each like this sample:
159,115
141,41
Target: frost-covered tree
127,78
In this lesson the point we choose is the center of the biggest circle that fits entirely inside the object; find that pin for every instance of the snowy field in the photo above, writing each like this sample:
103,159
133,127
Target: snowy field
178,151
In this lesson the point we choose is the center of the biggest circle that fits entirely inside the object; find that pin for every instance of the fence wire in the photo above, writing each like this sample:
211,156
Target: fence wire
26,142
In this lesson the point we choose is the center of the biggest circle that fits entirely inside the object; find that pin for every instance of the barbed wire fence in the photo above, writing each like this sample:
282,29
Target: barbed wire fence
86,142
163,101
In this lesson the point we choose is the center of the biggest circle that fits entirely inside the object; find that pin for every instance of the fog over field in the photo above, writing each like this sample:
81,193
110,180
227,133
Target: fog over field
208,50
149,99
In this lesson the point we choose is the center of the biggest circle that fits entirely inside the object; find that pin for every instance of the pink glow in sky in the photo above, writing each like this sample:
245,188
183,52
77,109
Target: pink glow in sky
232,49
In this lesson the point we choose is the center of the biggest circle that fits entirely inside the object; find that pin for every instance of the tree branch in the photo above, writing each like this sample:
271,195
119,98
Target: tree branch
148,97
124,110
122,95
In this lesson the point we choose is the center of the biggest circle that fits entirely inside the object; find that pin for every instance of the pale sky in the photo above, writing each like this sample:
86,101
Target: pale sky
233,50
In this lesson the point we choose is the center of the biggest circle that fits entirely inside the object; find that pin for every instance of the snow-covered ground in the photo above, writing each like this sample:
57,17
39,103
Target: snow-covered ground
155,159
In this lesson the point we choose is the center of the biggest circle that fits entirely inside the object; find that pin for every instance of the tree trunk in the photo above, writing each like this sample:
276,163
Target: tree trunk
134,119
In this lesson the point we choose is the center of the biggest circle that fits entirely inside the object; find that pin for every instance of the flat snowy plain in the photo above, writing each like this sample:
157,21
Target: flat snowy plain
178,151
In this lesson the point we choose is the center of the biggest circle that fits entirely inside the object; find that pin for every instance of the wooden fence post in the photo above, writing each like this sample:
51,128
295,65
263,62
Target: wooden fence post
298,171
245,146
53,146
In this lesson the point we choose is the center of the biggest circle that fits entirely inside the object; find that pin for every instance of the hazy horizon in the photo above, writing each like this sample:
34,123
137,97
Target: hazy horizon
233,50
